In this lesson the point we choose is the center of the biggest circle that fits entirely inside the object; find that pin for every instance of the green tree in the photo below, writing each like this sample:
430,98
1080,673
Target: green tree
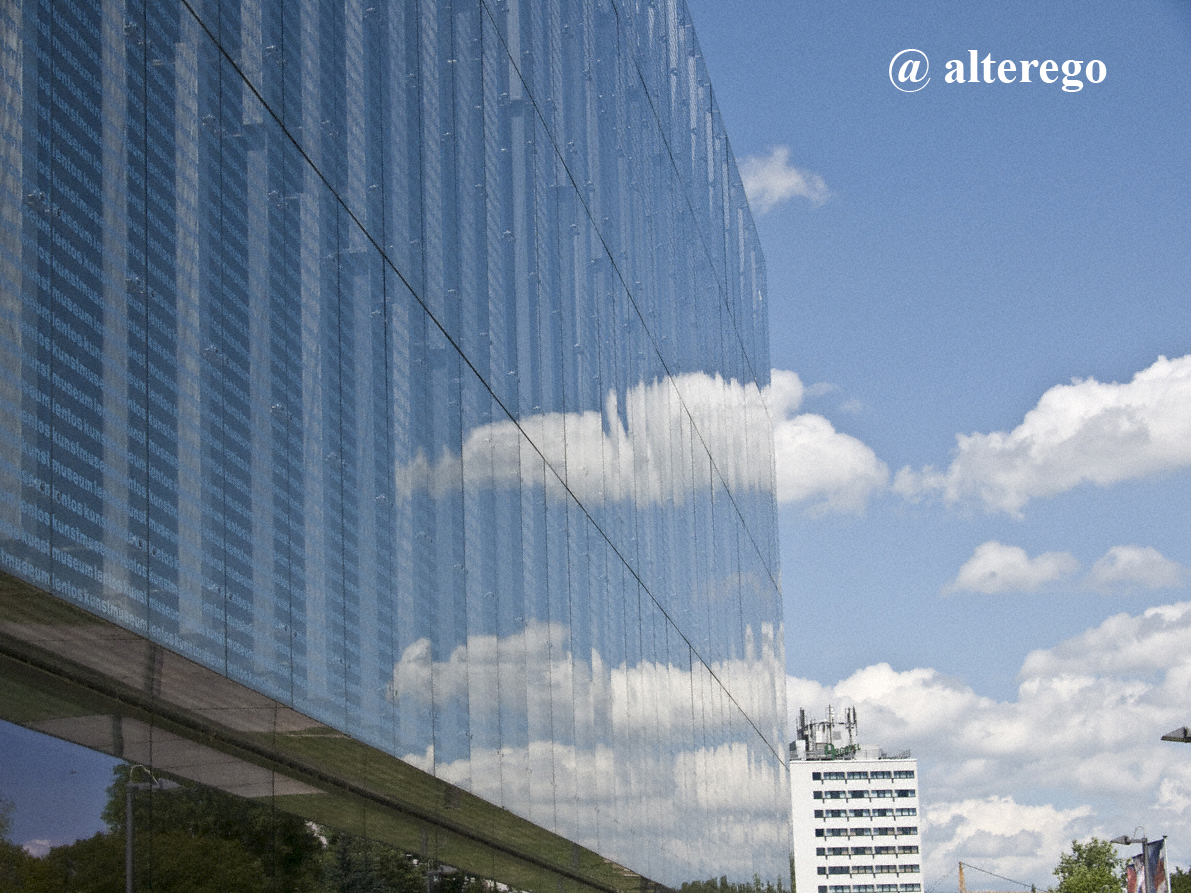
354,864
724,886
7,807
1089,868
15,864
170,863
1180,881
196,839
284,846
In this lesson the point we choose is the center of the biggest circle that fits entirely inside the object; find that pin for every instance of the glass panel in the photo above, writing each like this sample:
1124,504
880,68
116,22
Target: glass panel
404,362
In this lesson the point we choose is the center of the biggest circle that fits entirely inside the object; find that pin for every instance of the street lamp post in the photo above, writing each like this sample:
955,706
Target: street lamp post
153,784
1125,839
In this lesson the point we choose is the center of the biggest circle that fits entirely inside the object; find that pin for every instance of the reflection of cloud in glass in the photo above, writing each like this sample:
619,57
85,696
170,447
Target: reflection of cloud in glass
551,674
697,799
681,754
637,449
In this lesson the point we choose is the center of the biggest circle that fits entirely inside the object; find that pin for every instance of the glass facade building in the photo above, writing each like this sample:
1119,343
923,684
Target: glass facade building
392,375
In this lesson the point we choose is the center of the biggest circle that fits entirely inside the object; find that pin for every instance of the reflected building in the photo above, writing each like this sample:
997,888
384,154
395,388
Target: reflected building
384,429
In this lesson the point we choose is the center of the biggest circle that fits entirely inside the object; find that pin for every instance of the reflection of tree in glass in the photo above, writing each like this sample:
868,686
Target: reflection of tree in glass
196,839
12,858
174,862
271,849
722,886
358,865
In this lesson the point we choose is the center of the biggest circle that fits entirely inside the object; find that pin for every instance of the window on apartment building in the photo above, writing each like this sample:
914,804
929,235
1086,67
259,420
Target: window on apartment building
858,813
862,851
837,813
862,832
857,795
833,795
886,888
837,851
882,793
839,888
838,869
910,869
907,849
908,829
883,832
819,851
818,832
884,850
885,869
904,773
818,813
822,869
837,832
880,813
909,888
852,775
863,888
816,776
834,776
885,773
907,810
906,792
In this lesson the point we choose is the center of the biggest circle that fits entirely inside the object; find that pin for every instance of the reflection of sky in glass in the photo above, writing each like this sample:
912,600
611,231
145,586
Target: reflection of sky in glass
408,363
703,775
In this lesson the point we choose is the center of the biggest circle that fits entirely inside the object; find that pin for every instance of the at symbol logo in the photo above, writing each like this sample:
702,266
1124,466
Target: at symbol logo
913,69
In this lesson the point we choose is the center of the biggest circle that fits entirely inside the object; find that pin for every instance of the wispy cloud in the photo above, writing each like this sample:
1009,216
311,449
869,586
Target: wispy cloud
1083,432
851,406
771,180
819,388
1076,752
996,567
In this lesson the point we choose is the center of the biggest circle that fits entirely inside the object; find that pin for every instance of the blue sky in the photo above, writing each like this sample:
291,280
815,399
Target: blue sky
945,263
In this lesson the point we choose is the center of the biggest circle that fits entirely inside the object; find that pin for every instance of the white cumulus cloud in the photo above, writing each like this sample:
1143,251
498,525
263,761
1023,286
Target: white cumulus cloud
1083,432
996,567
822,466
816,464
1135,567
1076,752
769,181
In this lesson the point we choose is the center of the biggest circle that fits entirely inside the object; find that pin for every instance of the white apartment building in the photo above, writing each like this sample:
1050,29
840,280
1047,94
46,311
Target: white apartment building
855,809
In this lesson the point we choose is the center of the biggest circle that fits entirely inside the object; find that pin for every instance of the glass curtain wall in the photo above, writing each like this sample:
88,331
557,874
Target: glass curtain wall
405,361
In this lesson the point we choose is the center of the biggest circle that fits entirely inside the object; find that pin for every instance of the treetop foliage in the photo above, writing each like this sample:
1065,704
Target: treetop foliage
1090,867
